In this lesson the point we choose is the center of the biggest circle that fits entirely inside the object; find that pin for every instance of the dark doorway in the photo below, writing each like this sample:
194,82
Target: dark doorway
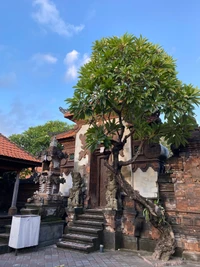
98,180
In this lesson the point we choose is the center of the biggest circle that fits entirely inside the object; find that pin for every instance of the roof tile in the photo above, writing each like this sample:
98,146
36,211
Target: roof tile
10,149
69,133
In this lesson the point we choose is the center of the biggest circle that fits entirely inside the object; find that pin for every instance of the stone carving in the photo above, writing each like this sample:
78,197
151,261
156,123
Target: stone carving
84,151
76,192
111,194
63,110
49,180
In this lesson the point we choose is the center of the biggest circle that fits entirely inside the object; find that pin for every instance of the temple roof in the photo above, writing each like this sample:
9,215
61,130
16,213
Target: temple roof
11,150
67,134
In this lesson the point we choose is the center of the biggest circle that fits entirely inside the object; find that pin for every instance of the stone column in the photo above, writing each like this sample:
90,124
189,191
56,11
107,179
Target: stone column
112,230
13,209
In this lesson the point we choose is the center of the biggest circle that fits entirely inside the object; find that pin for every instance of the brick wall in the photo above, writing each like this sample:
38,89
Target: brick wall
180,192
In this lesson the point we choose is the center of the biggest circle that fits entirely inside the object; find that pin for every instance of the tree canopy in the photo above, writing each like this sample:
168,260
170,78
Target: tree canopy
37,138
132,79
125,90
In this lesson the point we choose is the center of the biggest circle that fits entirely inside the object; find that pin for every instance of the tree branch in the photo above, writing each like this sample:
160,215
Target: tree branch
128,135
133,194
108,166
128,162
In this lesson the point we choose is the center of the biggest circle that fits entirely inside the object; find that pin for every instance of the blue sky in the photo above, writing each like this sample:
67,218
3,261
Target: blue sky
44,42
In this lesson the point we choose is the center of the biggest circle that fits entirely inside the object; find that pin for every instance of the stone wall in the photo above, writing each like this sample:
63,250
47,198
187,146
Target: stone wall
183,199
50,233
179,192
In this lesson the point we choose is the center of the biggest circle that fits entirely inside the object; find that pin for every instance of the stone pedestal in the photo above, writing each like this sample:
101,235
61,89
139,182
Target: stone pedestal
112,232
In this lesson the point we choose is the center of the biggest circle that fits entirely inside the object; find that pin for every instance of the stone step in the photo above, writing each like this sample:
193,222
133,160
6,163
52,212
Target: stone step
77,246
4,248
4,237
83,239
86,230
90,223
94,211
91,217
79,237
85,233
4,219
7,228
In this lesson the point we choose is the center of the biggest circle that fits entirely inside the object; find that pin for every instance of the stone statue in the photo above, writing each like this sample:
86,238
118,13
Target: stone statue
111,194
76,193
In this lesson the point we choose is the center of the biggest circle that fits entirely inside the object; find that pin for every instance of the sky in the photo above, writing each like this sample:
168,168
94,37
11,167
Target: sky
43,43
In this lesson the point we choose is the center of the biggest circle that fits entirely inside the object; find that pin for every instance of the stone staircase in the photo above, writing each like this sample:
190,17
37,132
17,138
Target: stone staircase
85,233
5,225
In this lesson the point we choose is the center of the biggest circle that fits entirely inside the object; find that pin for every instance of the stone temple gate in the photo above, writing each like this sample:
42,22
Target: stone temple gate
174,181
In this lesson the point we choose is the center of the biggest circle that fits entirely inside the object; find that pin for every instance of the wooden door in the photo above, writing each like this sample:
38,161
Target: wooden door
102,182
98,181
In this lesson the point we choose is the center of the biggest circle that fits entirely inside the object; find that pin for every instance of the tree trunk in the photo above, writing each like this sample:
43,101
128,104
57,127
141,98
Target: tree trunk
165,246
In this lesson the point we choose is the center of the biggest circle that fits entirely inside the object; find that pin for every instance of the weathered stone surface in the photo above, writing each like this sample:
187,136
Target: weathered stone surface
190,255
50,232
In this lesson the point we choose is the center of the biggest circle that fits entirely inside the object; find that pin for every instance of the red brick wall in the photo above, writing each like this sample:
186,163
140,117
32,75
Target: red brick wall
179,192
184,208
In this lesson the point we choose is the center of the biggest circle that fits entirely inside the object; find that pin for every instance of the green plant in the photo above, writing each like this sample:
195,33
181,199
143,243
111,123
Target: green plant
158,209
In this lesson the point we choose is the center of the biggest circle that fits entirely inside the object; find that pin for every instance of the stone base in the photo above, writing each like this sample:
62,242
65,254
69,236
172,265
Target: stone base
12,211
29,211
50,233
191,256
112,240
130,242
43,210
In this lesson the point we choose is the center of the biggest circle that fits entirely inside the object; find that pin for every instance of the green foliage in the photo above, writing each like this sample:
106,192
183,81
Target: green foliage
25,173
159,209
127,80
36,139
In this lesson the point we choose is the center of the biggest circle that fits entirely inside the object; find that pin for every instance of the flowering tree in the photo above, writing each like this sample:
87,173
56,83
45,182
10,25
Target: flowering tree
128,83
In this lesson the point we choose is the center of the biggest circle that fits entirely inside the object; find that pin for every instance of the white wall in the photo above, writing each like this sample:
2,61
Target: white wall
146,182
64,188
78,164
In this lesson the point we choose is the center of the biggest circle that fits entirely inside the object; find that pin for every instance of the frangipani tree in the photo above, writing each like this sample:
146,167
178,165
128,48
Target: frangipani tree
128,83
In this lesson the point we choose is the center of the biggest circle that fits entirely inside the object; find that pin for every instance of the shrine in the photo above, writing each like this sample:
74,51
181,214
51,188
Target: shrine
48,200
100,194
173,180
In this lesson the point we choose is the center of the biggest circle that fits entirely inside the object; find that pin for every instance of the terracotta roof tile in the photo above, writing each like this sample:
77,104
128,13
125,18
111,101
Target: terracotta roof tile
11,150
69,133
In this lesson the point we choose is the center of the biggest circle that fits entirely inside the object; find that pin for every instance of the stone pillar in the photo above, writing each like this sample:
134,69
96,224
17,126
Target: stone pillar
112,231
13,209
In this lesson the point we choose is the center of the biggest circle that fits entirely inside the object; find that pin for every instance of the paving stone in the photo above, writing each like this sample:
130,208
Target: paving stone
52,257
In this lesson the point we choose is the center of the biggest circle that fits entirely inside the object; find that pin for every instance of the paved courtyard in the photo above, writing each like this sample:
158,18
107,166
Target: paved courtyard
52,256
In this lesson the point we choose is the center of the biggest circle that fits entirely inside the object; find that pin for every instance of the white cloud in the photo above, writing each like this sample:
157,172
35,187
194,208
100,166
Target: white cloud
48,15
44,58
7,79
74,61
85,59
71,57
15,118
71,73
